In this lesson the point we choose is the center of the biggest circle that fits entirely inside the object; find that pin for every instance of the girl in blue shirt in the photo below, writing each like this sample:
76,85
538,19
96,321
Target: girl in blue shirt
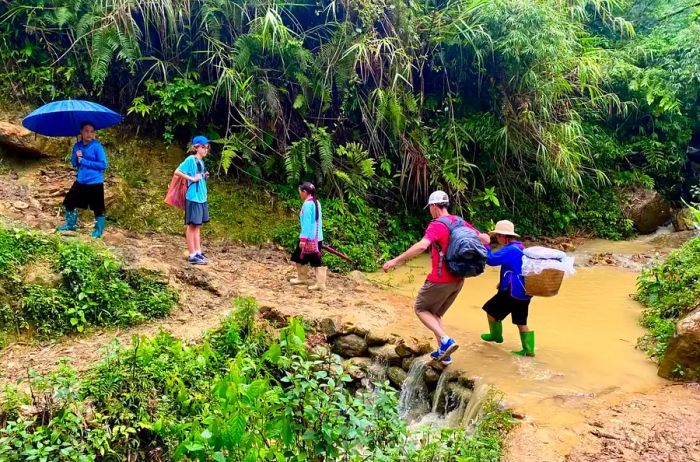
311,220
88,191
511,298
196,209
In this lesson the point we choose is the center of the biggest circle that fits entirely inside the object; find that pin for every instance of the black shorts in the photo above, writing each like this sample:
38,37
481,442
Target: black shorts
196,213
313,259
86,196
502,305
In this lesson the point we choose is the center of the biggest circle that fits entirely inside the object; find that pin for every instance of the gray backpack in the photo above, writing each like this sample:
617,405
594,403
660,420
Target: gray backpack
466,255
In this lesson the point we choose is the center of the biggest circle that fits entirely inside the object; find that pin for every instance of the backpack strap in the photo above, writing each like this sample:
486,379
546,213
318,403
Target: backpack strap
450,227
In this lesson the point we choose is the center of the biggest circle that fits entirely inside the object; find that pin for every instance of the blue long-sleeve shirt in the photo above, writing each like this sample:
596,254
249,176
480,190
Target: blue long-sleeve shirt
93,164
307,218
510,259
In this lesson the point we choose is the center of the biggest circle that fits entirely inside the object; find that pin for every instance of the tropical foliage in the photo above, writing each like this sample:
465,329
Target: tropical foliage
669,290
243,394
538,100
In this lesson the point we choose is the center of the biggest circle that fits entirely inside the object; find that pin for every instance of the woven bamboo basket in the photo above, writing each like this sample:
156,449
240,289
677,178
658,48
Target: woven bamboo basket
545,284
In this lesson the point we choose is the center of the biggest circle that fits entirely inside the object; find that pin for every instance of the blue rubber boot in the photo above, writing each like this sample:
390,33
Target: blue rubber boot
71,221
99,227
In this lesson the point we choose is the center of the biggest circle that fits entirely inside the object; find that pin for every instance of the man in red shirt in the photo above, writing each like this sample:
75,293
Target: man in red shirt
440,288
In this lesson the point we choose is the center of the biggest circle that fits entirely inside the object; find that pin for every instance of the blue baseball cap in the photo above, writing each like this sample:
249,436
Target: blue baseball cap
199,140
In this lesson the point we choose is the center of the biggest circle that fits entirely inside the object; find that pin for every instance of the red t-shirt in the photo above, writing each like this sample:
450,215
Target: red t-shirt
438,232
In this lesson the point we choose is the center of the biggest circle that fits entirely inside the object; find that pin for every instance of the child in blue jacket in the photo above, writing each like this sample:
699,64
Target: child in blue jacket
511,297
88,190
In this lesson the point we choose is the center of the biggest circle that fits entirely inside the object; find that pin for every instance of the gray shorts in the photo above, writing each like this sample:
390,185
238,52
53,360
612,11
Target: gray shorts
196,213
436,297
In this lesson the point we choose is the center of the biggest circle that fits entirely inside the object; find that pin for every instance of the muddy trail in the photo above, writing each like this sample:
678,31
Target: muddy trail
31,199
661,423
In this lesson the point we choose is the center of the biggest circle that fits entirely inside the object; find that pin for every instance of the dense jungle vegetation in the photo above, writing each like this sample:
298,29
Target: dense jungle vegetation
540,111
243,394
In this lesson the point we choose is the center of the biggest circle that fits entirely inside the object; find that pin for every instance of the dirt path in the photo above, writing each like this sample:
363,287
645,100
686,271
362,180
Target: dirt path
206,291
661,425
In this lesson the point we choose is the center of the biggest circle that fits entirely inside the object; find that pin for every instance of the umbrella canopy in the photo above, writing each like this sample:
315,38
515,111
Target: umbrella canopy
63,118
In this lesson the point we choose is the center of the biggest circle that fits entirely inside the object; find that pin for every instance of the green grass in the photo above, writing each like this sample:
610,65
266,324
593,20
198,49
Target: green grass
51,287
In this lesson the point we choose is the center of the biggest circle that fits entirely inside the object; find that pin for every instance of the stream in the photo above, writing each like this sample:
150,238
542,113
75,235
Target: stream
585,336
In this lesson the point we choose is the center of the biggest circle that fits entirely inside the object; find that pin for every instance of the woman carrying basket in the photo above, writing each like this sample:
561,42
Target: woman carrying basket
511,297
309,251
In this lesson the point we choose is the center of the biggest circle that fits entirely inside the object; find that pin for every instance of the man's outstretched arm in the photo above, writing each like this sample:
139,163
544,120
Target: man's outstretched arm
416,249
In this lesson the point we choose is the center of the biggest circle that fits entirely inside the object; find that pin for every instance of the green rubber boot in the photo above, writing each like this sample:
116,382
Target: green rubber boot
528,341
496,332
71,221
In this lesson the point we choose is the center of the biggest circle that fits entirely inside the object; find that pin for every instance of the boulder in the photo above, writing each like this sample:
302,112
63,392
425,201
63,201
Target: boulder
406,362
683,220
18,140
682,358
386,352
377,337
350,345
646,208
330,327
396,376
413,347
431,375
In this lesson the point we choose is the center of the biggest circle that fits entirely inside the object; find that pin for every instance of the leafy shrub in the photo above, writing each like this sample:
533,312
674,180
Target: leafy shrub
668,290
237,396
94,290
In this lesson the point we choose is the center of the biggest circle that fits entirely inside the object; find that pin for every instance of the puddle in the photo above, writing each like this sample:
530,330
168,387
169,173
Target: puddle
585,340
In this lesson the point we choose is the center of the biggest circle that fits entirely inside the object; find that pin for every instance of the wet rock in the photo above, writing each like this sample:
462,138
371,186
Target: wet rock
358,367
682,359
350,345
18,140
406,362
377,337
466,381
352,328
683,220
396,375
413,347
387,353
431,376
330,327
646,208
459,391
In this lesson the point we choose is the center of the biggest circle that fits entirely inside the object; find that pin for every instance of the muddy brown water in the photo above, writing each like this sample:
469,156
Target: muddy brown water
585,341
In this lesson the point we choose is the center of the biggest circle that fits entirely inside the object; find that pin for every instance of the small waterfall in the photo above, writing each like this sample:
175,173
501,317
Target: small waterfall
413,388
439,390
471,413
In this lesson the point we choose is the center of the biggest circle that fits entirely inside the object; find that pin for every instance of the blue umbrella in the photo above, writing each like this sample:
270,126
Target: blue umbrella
63,118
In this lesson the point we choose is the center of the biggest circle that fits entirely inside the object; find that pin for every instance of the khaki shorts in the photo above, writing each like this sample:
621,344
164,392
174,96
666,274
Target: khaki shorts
437,298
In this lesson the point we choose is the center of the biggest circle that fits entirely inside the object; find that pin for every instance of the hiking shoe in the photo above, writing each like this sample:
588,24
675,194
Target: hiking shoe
197,260
446,348
203,257
436,355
